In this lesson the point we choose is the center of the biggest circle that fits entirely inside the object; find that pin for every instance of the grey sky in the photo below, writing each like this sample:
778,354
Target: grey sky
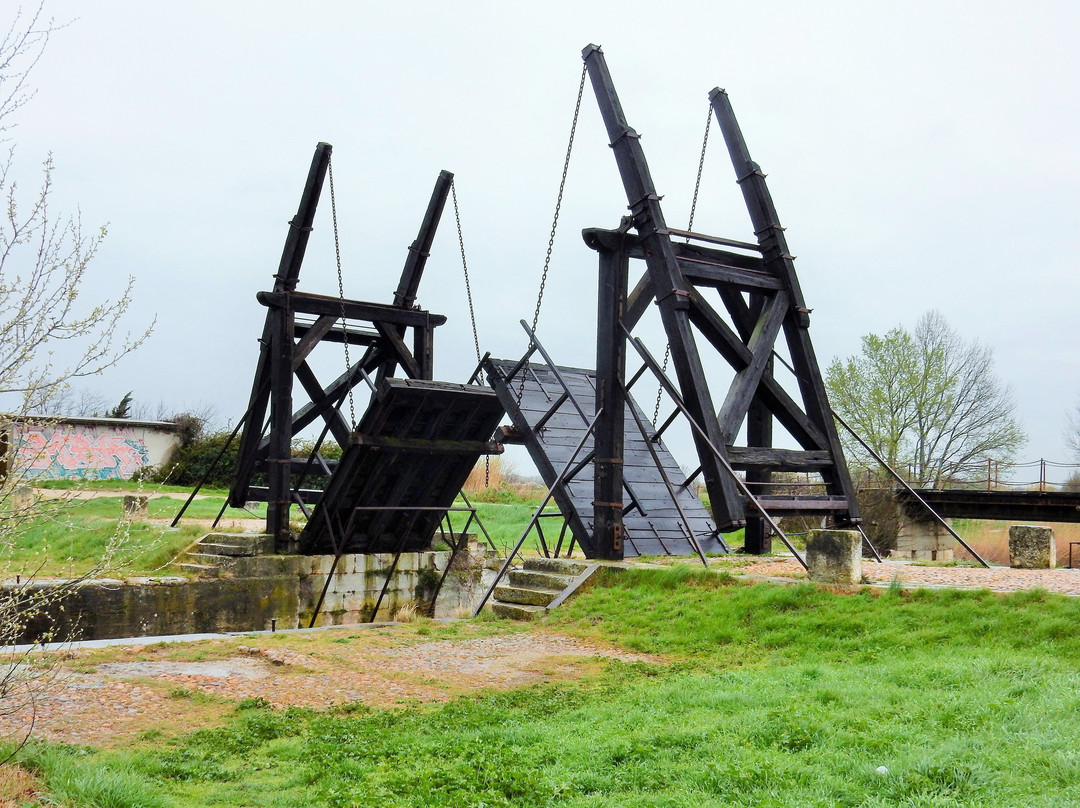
922,155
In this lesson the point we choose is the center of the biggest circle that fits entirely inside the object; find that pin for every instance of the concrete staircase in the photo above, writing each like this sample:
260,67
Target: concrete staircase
540,585
216,551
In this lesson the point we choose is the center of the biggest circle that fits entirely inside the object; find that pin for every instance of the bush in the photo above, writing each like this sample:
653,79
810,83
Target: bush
194,460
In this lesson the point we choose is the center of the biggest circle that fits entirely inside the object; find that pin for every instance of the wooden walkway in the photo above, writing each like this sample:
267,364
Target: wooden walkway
551,425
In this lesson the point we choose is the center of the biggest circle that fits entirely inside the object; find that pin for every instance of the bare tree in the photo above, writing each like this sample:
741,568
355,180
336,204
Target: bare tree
44,259
1072,430
929,401
48,338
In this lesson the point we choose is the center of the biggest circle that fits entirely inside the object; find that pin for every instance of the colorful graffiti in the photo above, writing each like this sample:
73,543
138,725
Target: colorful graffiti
95,453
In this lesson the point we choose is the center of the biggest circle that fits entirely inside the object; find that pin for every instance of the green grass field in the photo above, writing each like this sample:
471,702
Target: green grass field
70,537
768,696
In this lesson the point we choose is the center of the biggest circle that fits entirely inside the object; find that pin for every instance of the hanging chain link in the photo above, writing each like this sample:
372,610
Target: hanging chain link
555,218
689,226
660,388
465,268
341,291
700,166
558,202
472,311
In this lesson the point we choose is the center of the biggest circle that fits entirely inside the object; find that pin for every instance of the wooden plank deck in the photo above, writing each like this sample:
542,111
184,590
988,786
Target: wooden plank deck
406,462
653,526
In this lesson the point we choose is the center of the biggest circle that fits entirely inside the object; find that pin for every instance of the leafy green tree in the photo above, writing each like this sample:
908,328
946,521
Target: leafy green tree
928,401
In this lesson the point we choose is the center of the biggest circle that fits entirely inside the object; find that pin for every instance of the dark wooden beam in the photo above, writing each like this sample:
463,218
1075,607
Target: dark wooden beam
292,257
420,249
765,457
670,286
307,303
328,410
399,350
311,337
427,446
278,471
779,261
610,428
744,387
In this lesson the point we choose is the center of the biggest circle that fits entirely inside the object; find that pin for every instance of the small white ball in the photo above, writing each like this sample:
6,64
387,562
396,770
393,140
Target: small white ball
882,770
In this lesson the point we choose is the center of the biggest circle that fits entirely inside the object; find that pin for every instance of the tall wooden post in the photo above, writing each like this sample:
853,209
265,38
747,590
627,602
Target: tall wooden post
279,464
610,403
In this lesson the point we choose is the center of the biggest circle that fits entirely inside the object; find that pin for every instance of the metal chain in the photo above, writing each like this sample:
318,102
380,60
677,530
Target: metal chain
472,311
341,292
700,166
555,218
689,226
465,269
660,389
558,202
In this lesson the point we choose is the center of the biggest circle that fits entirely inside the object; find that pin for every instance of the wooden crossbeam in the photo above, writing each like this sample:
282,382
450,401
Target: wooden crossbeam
306,303
746,382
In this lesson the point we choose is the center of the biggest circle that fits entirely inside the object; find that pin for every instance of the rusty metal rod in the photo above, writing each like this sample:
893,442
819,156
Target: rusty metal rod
536,515
910,490
669,388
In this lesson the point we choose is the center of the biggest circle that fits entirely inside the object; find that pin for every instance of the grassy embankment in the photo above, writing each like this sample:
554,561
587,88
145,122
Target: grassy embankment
68,537
768,696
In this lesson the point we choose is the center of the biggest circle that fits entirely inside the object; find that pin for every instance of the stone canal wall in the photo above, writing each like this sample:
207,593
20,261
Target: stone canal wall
260,592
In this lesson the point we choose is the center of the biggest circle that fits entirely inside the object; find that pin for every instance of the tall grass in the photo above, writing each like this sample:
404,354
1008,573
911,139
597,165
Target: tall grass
991,540
73,777
494,479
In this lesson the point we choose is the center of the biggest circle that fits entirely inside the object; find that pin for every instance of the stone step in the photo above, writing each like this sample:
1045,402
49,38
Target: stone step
202,570
559,566
207,559
216,548
540,580
516,611
248,544
521,595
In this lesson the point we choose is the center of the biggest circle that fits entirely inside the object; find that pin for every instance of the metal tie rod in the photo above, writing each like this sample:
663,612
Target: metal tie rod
910,490
669,388
536,515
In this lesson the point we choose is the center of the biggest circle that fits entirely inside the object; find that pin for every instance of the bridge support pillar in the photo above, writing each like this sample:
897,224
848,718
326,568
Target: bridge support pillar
925,540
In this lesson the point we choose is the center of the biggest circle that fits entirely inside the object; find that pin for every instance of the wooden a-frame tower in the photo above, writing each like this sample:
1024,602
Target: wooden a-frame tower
686,275
408,456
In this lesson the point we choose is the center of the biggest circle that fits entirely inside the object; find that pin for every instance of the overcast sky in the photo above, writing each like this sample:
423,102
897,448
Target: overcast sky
921,155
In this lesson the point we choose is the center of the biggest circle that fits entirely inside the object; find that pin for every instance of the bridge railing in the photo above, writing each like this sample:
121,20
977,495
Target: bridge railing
1033,475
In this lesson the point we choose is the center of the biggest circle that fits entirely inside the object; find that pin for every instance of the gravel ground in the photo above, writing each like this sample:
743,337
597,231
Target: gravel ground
998,579
115,701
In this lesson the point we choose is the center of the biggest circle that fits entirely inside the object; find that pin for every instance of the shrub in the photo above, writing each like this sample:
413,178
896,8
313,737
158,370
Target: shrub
194,460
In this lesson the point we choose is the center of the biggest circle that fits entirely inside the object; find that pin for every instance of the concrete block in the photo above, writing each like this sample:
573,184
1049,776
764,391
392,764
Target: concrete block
355,601
136,507
23,497
1031,547
834,556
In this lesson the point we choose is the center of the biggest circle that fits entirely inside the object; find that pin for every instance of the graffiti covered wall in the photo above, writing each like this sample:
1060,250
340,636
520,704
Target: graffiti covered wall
90,449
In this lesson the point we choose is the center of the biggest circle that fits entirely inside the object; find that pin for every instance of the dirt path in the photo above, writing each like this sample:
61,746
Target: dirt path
106,696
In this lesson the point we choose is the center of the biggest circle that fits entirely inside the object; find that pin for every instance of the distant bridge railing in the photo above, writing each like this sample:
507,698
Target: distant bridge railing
1032,475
